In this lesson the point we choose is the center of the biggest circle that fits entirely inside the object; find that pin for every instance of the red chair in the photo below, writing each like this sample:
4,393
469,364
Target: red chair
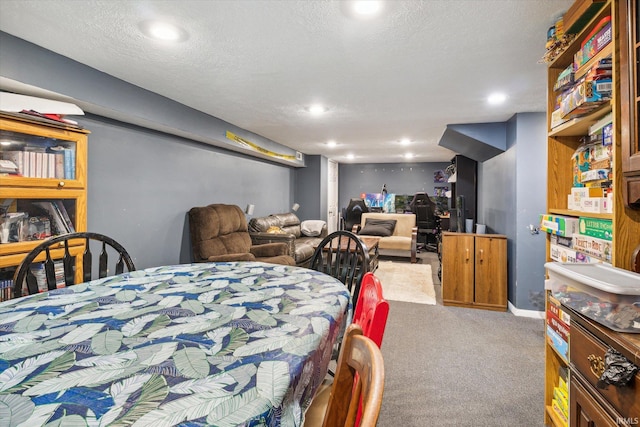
372,309
371,314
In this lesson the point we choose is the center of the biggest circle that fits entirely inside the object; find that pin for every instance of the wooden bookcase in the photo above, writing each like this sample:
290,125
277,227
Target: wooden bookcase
563,140
18,193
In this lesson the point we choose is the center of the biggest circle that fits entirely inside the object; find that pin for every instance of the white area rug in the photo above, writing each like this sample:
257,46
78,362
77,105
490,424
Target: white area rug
406,282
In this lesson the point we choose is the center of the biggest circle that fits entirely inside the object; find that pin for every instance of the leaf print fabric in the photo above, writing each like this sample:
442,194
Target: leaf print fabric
224,344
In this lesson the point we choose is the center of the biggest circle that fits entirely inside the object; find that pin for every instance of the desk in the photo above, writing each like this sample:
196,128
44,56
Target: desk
214,343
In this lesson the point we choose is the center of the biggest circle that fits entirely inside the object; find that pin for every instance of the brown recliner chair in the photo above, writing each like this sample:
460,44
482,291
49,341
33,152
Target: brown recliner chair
219,233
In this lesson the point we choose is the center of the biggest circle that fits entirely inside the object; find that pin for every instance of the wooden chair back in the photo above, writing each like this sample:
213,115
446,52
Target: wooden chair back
342,255
58,248
359,381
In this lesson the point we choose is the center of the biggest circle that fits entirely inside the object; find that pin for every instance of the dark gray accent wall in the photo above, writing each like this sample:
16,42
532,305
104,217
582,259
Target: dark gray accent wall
142,183
311,187
512,193
400,178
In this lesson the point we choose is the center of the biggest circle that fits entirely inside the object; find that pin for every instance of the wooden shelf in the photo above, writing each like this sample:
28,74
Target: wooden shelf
569,212
555,418
580,125
563,60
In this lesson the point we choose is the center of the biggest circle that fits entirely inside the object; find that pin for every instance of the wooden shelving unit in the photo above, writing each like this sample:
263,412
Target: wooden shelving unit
18,192
563,140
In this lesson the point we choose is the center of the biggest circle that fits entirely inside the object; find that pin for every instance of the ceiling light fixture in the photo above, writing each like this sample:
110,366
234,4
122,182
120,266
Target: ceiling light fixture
367,7
317,109
350,156
331,144
496,98
408,156
405,141
163,31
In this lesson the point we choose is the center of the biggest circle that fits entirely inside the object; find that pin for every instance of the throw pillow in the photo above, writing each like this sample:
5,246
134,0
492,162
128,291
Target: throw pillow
312,228
378,227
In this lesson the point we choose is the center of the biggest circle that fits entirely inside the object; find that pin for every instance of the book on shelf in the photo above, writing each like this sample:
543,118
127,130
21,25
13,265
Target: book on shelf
16,157
56,217
6,286
65,215
69,163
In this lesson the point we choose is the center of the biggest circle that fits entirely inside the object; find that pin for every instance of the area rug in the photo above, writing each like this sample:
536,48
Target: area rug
406,282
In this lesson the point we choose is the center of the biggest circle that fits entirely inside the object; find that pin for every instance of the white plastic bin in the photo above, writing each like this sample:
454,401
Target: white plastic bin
605,294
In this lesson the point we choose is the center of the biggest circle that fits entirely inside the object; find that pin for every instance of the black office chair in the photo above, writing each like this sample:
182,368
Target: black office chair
353,213
427,221
62,248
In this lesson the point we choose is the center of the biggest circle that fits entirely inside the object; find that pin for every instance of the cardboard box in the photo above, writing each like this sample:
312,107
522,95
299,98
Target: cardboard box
593,246
596,227
558,224
567,242
556,309
594,44
556,341
595,175
593,204
585,97
557,325
563,254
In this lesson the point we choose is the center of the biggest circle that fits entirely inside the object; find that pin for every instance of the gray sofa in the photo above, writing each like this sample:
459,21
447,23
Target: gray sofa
301,237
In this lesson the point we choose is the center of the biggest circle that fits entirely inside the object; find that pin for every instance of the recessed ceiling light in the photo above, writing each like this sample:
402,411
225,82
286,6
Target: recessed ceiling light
496,98
163,31
331,144
317,109
367,7
408,156
350,156
405,141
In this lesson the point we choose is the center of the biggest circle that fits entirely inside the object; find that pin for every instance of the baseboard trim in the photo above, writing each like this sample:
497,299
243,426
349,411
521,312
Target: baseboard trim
534,314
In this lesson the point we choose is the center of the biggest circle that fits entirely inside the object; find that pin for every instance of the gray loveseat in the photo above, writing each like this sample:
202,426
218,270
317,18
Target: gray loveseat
301,237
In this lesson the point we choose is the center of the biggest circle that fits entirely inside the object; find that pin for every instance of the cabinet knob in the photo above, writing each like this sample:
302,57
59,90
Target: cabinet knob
61,184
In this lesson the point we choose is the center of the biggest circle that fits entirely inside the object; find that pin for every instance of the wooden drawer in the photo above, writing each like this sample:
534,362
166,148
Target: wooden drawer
584,411
587,357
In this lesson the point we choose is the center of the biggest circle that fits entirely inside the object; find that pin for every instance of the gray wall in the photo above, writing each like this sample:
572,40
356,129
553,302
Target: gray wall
400,178
511,195
142,182
310,188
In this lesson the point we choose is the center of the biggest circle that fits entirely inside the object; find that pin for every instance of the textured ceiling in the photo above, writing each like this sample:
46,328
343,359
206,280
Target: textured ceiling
407,73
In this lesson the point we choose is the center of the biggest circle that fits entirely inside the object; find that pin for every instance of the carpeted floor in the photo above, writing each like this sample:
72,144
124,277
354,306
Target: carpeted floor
407,282
452,366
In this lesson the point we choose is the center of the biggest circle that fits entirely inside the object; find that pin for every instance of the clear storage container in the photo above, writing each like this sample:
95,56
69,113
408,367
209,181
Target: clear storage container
605,294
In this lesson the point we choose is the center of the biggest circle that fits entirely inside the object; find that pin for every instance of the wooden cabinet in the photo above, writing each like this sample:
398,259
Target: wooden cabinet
474,270
629,13
35,148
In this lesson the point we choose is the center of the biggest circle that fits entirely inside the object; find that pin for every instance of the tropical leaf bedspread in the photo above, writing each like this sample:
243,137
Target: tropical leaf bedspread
212,344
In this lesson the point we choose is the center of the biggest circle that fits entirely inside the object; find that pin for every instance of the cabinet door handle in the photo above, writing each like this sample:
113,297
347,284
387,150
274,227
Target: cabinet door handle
467,254
481,255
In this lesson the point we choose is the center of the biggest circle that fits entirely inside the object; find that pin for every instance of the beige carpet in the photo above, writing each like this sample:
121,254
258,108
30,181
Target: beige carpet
406,282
